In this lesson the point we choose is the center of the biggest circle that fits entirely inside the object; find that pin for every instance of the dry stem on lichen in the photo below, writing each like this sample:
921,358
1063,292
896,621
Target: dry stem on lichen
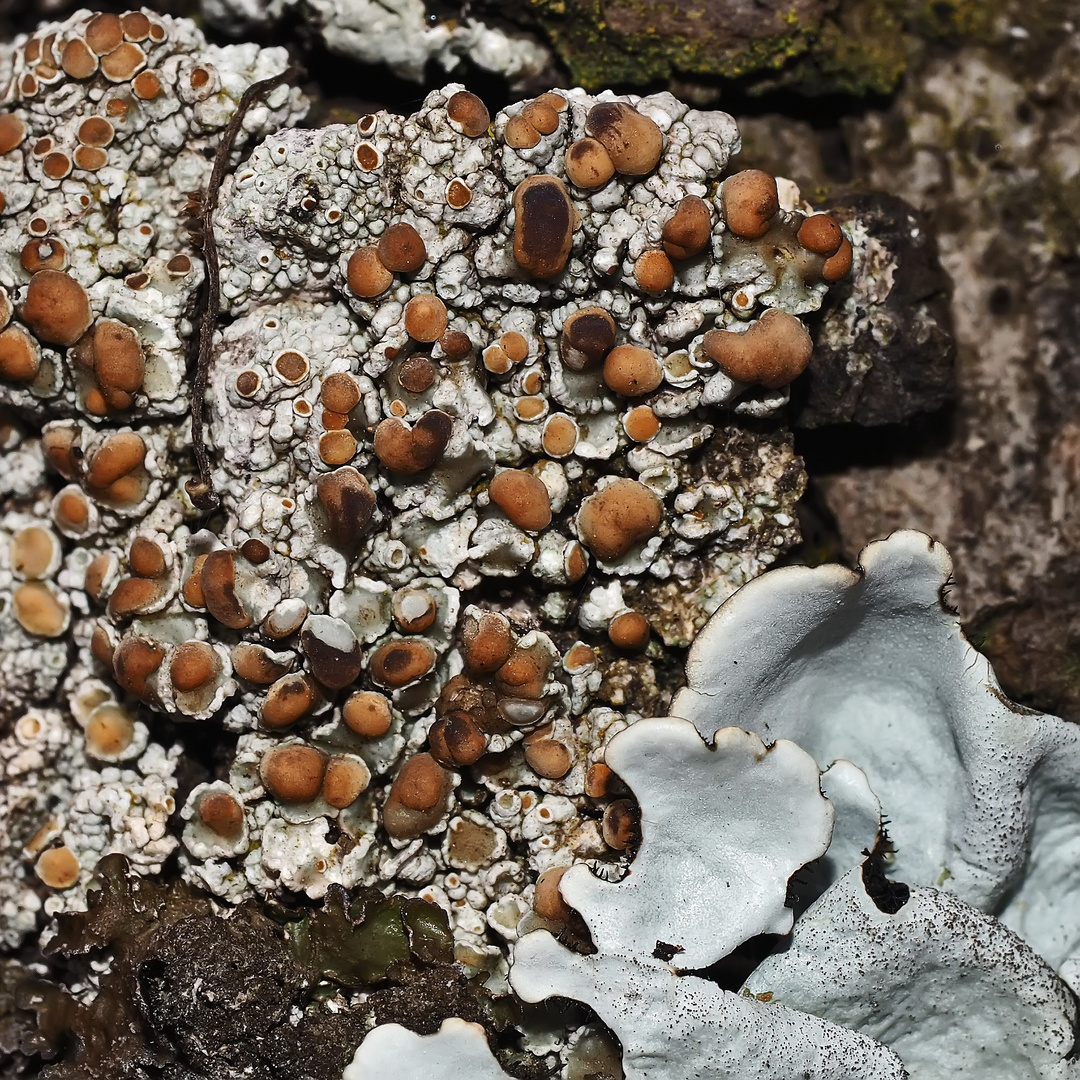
201,490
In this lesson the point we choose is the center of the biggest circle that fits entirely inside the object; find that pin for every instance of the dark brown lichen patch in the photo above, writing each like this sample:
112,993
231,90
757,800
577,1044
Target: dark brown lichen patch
332,651
188,993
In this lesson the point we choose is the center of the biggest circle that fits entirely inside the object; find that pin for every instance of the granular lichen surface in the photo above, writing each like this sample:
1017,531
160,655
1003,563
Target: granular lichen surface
494,415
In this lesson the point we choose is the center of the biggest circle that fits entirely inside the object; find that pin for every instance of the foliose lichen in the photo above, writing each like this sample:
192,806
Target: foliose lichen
494,416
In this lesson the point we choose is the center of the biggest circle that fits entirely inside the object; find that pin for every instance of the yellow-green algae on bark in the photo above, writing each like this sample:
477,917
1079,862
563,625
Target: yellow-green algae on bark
821,46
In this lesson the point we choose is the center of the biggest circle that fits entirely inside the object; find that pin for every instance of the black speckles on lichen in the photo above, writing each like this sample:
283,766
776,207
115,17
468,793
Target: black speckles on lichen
888,896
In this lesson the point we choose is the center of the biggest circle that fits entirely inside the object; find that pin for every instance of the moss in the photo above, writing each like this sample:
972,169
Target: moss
122,911
109,1037
422,1000
19,1037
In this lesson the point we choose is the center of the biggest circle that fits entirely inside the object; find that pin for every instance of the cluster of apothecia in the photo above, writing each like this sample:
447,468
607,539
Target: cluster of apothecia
467,351
107,123
476,418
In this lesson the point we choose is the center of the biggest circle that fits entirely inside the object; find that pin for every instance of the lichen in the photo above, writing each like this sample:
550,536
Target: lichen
494,419
420,396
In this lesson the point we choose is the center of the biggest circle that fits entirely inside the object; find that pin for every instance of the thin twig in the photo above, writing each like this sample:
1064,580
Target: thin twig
201,489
